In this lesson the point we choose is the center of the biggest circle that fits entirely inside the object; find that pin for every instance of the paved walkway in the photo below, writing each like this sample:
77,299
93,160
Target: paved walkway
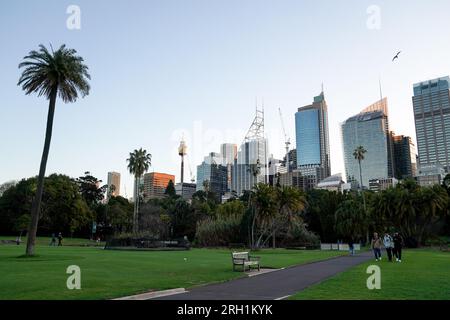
273,285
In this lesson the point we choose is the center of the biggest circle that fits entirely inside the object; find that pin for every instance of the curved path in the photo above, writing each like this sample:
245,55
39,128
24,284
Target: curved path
273,285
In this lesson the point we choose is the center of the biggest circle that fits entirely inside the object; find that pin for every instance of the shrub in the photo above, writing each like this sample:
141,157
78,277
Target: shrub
219,232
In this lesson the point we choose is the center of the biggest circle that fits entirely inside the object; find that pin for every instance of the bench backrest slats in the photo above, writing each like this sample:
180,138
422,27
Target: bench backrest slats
239,256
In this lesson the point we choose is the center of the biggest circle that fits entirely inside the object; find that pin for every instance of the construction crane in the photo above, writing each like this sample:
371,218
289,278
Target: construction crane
287,141
190,170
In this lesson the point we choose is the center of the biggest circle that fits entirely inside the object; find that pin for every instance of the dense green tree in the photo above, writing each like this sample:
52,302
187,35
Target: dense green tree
319,214
231,208
138,163
184,220
5,186
63,209
170,190
59,73
410,209
351,220
264,203
119,214
15,202
291,201
22,223
91,189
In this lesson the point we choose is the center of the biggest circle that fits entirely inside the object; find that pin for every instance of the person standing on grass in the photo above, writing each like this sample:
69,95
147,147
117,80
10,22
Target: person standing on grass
376,246
53,241
388,243
398,244
60,238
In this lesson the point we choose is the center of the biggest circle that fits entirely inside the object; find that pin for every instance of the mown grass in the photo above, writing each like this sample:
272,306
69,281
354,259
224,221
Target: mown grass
422,275
112,273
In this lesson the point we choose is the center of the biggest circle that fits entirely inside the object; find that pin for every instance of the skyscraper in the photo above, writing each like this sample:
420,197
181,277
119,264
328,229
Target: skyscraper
212,172
404,157
431,103
229,154
370,129
251,164
312,140
113,184
250,167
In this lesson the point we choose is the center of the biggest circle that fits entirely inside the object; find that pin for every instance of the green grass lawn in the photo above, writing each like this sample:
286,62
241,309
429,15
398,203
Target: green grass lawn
112,273
422,275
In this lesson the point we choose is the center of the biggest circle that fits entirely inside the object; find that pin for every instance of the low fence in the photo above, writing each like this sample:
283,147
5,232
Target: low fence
339,246
146,243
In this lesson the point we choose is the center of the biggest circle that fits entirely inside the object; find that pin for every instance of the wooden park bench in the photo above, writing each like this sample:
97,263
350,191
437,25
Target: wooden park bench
245,260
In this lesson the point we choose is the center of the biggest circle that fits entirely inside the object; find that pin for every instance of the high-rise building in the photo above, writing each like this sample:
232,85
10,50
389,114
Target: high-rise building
369,129
250,167
404,157
312,140
212,172
292,160
155,184
113,184
229,154
431,103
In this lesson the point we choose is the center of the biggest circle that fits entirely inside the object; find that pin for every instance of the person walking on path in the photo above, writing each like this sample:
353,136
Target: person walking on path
398,244
60,238
376,246
388,243
351,246
53,241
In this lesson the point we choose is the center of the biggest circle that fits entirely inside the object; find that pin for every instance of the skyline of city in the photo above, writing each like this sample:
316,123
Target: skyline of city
211,74
377,110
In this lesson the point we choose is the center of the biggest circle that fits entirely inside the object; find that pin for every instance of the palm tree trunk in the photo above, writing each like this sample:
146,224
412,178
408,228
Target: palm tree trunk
135,206
36,207
364,197
138,203
273,234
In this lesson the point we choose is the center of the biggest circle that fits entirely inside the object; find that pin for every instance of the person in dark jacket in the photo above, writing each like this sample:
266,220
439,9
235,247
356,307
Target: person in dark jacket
351,246
398,244
60,239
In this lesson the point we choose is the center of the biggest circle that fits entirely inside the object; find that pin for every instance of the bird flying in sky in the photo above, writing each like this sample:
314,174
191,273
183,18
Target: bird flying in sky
396,56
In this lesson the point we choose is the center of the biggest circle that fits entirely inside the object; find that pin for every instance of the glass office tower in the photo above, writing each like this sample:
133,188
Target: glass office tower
252,154
214,173
312,141
369,129
431,103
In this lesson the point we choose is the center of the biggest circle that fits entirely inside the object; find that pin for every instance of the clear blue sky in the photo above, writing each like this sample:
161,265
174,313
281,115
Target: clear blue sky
161,68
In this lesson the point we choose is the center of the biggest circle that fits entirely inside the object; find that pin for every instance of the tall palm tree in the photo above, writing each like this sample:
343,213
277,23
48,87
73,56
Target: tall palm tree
263,200
359,154
138,163
51,74
290,202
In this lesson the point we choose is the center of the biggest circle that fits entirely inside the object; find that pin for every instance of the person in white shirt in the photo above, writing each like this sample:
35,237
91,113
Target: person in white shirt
388,243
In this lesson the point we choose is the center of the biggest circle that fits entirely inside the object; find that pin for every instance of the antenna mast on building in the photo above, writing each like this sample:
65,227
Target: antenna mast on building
287,141
256,133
